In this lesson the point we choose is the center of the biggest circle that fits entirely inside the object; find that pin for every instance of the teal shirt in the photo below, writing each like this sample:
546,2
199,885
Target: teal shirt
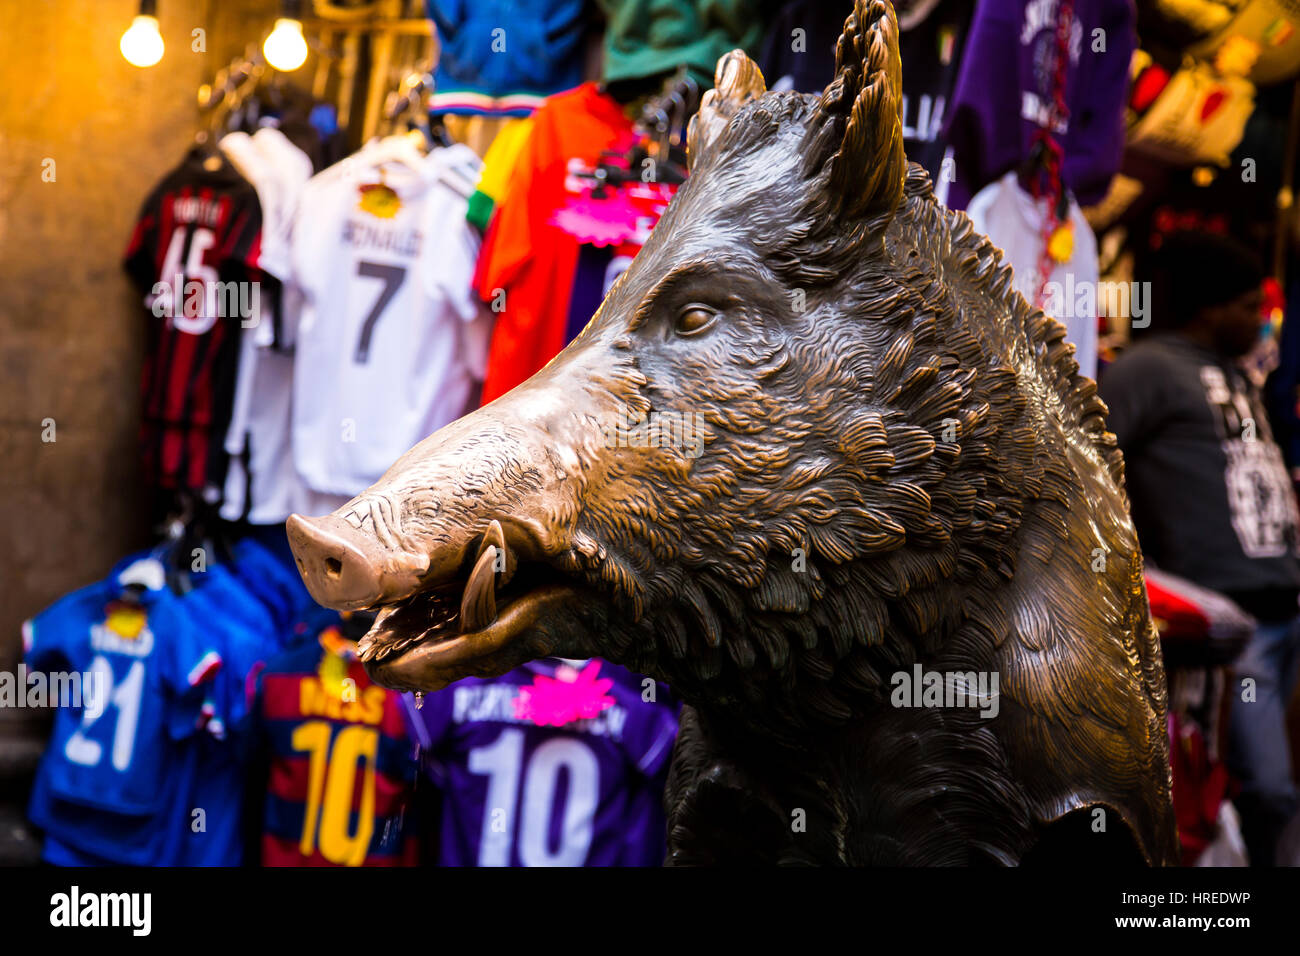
645,37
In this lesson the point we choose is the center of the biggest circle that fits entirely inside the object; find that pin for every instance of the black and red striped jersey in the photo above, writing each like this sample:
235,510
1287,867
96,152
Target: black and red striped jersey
194,256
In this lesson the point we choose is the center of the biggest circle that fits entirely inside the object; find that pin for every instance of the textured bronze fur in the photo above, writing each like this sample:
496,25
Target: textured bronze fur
900,465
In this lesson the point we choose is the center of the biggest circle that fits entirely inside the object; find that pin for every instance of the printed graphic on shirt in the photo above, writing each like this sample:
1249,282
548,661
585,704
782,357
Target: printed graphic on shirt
1039,33
1260,499
379,200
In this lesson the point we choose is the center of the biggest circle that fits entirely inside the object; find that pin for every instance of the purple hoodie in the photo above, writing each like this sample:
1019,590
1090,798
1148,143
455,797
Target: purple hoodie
1006,81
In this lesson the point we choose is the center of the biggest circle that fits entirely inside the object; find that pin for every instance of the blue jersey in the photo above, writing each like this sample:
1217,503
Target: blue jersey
553,764
207,822
265,565
105,778
153,779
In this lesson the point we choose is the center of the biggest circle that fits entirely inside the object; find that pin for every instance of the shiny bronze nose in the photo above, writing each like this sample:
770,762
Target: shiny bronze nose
333,564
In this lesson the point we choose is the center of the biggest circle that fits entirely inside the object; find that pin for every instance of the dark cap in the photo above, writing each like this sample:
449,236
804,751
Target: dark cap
1192,271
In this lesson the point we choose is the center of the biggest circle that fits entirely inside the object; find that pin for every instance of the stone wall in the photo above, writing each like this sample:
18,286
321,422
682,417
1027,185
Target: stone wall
71,333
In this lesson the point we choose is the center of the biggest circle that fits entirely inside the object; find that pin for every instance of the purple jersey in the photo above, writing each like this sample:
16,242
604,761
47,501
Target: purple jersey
553,764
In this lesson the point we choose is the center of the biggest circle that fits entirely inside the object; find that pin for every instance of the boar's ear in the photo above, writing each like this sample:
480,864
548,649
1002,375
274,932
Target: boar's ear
860,132
736,81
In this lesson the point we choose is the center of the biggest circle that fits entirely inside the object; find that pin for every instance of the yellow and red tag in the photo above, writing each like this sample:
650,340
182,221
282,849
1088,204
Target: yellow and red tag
379,200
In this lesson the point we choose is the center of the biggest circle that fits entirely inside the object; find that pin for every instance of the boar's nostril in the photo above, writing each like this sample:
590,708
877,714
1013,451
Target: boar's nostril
346,569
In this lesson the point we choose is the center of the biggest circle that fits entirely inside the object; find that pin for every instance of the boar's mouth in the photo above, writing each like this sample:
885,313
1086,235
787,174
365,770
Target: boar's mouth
469,623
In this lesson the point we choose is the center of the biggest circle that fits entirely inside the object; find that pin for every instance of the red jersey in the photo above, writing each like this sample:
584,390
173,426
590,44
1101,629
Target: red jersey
524,254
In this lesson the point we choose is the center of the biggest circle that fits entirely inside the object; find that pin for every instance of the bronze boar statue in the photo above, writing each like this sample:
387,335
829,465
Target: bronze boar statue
818,466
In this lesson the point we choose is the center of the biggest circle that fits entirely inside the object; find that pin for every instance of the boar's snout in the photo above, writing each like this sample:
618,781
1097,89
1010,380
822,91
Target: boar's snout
344,568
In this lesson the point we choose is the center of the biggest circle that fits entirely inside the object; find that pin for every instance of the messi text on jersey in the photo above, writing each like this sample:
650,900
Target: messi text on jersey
364,706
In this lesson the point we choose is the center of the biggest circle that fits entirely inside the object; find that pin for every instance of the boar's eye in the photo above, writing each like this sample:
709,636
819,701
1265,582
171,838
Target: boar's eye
694,318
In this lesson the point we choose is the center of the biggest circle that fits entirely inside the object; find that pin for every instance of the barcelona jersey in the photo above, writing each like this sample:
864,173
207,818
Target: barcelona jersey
339,764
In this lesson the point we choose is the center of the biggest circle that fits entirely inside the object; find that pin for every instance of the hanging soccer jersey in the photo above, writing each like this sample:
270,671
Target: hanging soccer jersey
390,341
247,610
527,266
108,777
141,770
556,763
262,485
194,256
338,762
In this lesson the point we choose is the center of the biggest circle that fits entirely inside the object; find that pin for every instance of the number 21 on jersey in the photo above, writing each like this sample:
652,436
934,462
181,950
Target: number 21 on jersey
124,697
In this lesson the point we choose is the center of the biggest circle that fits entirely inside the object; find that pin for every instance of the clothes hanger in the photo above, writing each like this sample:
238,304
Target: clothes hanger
220,100
199,527
661,123
913,14
434,124
161,568
413,132
436,129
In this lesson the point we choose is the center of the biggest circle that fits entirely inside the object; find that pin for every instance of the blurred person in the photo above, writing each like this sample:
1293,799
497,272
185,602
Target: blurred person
1211,498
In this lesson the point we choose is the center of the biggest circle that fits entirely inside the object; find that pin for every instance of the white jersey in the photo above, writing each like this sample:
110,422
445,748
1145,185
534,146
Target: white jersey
291,168
261,483
391,340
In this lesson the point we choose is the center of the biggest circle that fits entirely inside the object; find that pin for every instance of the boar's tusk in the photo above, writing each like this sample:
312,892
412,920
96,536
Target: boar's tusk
478,608
496,537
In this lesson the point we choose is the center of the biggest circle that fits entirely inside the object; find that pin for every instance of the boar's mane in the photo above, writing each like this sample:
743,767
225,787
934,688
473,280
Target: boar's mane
944,452
912,470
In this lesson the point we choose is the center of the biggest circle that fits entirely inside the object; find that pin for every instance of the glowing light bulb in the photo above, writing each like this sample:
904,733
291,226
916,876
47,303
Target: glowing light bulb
285,49
142,44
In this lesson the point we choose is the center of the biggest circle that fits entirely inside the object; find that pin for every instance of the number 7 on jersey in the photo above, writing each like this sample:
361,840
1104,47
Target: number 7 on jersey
392,277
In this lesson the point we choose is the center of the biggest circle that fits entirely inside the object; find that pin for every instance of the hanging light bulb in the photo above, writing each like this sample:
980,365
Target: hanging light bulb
142,44
285,49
